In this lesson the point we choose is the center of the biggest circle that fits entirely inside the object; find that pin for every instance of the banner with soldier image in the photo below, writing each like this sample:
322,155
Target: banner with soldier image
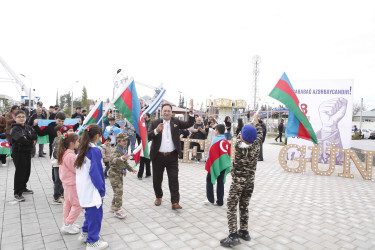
328,105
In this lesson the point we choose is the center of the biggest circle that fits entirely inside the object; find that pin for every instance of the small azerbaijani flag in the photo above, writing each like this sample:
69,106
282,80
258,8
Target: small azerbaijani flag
42,124
218,158
95,114
5,147
137,155
298,124
127,103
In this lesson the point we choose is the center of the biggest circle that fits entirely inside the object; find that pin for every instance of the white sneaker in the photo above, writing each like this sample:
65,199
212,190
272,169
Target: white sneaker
83,236
76,225
4,165
119,214
69,229
96,245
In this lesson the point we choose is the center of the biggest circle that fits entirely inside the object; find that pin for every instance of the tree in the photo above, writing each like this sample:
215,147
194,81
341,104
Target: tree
357,108
84,103
77,103
65,103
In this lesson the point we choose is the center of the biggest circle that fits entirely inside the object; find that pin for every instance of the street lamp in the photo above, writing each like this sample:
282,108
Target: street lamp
29,90
72,96
114,83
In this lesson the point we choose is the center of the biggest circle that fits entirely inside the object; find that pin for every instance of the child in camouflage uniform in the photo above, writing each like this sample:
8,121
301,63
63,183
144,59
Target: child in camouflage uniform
243,176
118,162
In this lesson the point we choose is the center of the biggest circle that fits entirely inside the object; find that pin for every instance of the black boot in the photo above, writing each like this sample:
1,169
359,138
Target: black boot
230,241
243,234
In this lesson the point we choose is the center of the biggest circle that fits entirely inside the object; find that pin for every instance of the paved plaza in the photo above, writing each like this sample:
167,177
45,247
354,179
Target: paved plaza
287,211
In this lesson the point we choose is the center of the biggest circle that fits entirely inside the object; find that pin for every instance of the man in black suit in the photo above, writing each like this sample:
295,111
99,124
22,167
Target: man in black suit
164,152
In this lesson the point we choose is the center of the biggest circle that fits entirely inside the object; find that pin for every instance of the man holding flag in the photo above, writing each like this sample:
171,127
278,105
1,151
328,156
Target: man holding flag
165,148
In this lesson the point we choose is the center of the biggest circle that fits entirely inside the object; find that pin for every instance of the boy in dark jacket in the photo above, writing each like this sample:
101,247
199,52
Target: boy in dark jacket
23,138
243,176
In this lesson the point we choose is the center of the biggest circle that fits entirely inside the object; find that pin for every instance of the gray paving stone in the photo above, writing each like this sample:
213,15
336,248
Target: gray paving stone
287,211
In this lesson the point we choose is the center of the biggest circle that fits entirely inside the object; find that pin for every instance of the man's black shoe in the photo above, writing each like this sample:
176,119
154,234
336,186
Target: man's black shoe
44,153
230,241
19,198
27,191
244,235
41,155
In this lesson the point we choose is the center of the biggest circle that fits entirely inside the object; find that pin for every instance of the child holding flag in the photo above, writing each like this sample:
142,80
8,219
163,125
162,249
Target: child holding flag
58,189
247,147
91,186
118,166
217,165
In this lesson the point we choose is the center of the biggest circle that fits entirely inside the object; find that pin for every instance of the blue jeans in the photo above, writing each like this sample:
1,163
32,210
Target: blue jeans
228,136
131,142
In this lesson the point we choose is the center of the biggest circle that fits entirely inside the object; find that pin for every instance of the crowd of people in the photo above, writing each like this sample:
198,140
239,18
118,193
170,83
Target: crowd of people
80,166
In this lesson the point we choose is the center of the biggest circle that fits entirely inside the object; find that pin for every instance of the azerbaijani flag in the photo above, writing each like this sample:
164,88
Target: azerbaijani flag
218,158
71,121
127,103
42,123
95,114
137,155
5,147
298,124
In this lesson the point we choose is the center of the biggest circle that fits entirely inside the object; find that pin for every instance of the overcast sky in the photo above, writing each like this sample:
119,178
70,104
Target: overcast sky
201,48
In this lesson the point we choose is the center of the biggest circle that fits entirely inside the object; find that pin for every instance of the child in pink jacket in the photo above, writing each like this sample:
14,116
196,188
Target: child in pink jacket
66,158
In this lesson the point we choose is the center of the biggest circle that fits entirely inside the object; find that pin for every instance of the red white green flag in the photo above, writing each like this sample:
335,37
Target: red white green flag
127,103
298,124
5,148
218,158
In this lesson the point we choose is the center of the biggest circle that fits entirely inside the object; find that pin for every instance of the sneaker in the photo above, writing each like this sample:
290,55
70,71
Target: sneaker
4,164
28,191
19,197
140,178
243,234
59,201
96,245
44,153
119,214
230,241
69,229
76,225
83,236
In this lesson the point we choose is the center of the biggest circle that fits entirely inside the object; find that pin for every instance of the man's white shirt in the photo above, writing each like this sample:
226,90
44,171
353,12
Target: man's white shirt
166,140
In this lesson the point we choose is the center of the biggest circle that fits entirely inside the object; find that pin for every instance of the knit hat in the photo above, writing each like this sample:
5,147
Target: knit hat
121,136
248,133
65,128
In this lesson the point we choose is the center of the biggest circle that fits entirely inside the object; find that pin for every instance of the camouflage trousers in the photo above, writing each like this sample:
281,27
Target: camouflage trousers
116,179
240,193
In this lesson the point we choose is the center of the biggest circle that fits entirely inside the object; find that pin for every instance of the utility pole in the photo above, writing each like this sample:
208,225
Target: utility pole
256,61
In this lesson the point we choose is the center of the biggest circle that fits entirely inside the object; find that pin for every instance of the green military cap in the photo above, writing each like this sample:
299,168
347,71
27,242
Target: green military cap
121,136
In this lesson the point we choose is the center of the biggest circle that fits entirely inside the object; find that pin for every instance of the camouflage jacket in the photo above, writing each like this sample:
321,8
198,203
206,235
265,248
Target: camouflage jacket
116,163
246,157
